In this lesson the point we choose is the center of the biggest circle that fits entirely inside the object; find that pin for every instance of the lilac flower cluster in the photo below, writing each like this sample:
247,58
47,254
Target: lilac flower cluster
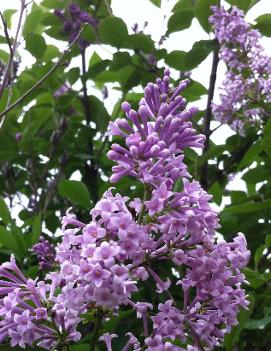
102,262
73,20
30,311
246,88
45,253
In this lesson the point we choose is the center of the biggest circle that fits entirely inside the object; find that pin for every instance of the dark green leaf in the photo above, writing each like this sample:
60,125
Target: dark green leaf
242,4
7,239
73,75
194,91
200,50
216,191
203,11
264,24
120,59
267,138
184,5
140,41
254,278
231,339
75,191
180,20
176,59
258,324
256,175
258,255
248,207
36,229
113,31
250,155
99,113
4,211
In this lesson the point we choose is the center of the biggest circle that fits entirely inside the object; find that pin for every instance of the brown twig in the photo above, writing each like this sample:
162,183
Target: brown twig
91,172
208,115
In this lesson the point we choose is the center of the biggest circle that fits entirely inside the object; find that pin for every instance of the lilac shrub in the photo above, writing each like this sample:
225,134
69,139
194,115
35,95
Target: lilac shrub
246,88
102,263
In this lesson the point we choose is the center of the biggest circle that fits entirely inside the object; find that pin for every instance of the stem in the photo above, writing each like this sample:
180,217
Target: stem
91,172
36,85
97,327
208,115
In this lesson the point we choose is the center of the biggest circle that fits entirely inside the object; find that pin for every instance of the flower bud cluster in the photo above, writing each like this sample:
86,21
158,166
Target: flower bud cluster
45,253
73,19
246,88
103,263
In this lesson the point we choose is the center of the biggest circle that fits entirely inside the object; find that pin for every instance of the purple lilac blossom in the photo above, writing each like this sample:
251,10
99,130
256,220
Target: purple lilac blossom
102,262
246,87
45,253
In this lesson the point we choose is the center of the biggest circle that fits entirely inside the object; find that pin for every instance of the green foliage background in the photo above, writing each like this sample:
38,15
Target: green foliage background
60,136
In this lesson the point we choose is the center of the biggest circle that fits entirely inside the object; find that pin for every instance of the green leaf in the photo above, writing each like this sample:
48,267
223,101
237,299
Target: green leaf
113,31
7,239
176,59
258,255
89,34
250,155
200,50
99,113
264,24
73,75
120,59
258,324
257,175
32,21
248,207
216,191
194,91
140,41
75,191
36,229
53,4
231,339
7,14
254,278
4,211
244,5
267,138
156,2
50,53
203,11
36,45
180,20
268,240
4,56
184,5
